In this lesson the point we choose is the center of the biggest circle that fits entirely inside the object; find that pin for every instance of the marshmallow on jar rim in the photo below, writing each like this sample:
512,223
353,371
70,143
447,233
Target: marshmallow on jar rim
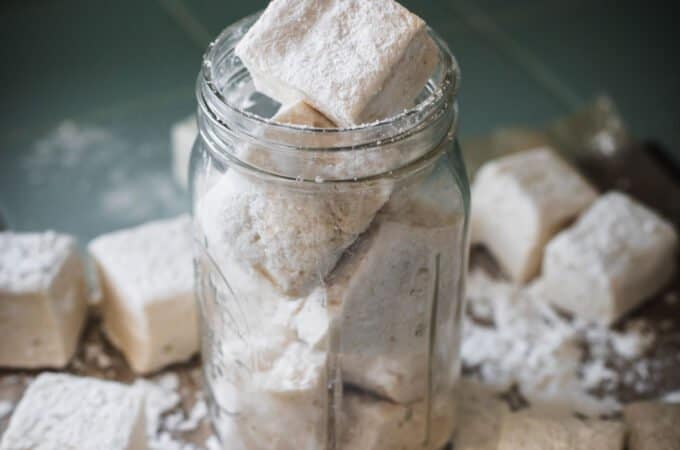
43,299
355,61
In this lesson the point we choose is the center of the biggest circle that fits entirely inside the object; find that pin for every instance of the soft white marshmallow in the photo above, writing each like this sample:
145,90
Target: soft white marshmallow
618,254
147,281
43,299
271,392
379,301
529,431
182,137
354,61
652,426
291,236
60,411
520,201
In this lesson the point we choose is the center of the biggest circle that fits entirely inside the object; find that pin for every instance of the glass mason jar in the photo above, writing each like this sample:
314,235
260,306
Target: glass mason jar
329,267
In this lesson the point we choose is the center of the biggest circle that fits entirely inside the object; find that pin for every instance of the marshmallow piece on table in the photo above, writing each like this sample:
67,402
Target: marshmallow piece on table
355,61
480,414
182,137
148,305
652,426
520,201
43,299
373,424
290,236
60,411
618,254
527,430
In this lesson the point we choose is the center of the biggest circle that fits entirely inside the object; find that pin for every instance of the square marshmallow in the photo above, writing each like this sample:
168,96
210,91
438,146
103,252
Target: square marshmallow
148,306
356,61
60,412
182,137
321,164
43,299
274,388
527,430
291,236
380,298
520,201
653,426
616,255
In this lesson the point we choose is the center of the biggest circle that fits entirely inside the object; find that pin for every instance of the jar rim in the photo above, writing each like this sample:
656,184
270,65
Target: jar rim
447,87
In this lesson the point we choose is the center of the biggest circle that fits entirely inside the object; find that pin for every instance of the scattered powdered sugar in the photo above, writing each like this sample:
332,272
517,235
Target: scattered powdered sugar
124,179
67,146
512,337
671,397
634,342
165,416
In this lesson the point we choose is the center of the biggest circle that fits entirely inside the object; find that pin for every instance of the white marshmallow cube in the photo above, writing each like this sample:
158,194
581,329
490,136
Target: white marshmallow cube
380,299
148,298
618,254
520,201
182,137
43,299
271,391
527,430
290,236
355,61
60,411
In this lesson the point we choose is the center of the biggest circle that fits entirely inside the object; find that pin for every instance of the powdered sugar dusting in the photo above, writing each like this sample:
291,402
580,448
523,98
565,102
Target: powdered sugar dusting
512,337
165,415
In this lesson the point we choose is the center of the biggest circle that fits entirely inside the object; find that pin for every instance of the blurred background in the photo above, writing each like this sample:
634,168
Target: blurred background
89,89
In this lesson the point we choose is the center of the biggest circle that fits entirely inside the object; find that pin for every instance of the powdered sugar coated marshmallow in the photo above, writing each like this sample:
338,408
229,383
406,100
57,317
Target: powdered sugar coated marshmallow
618,254
528,430
61,411
520,201
43,299
355,61
147,280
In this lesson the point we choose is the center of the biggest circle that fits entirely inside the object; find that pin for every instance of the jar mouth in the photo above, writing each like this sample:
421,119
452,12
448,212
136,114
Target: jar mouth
442,85
228,116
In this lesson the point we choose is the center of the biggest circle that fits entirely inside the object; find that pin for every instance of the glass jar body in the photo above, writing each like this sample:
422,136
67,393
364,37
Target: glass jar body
330,309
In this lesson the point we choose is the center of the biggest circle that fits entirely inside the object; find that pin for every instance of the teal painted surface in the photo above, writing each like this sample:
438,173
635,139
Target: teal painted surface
128,69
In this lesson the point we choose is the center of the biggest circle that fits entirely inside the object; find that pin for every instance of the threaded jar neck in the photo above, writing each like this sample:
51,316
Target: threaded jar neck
233,117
